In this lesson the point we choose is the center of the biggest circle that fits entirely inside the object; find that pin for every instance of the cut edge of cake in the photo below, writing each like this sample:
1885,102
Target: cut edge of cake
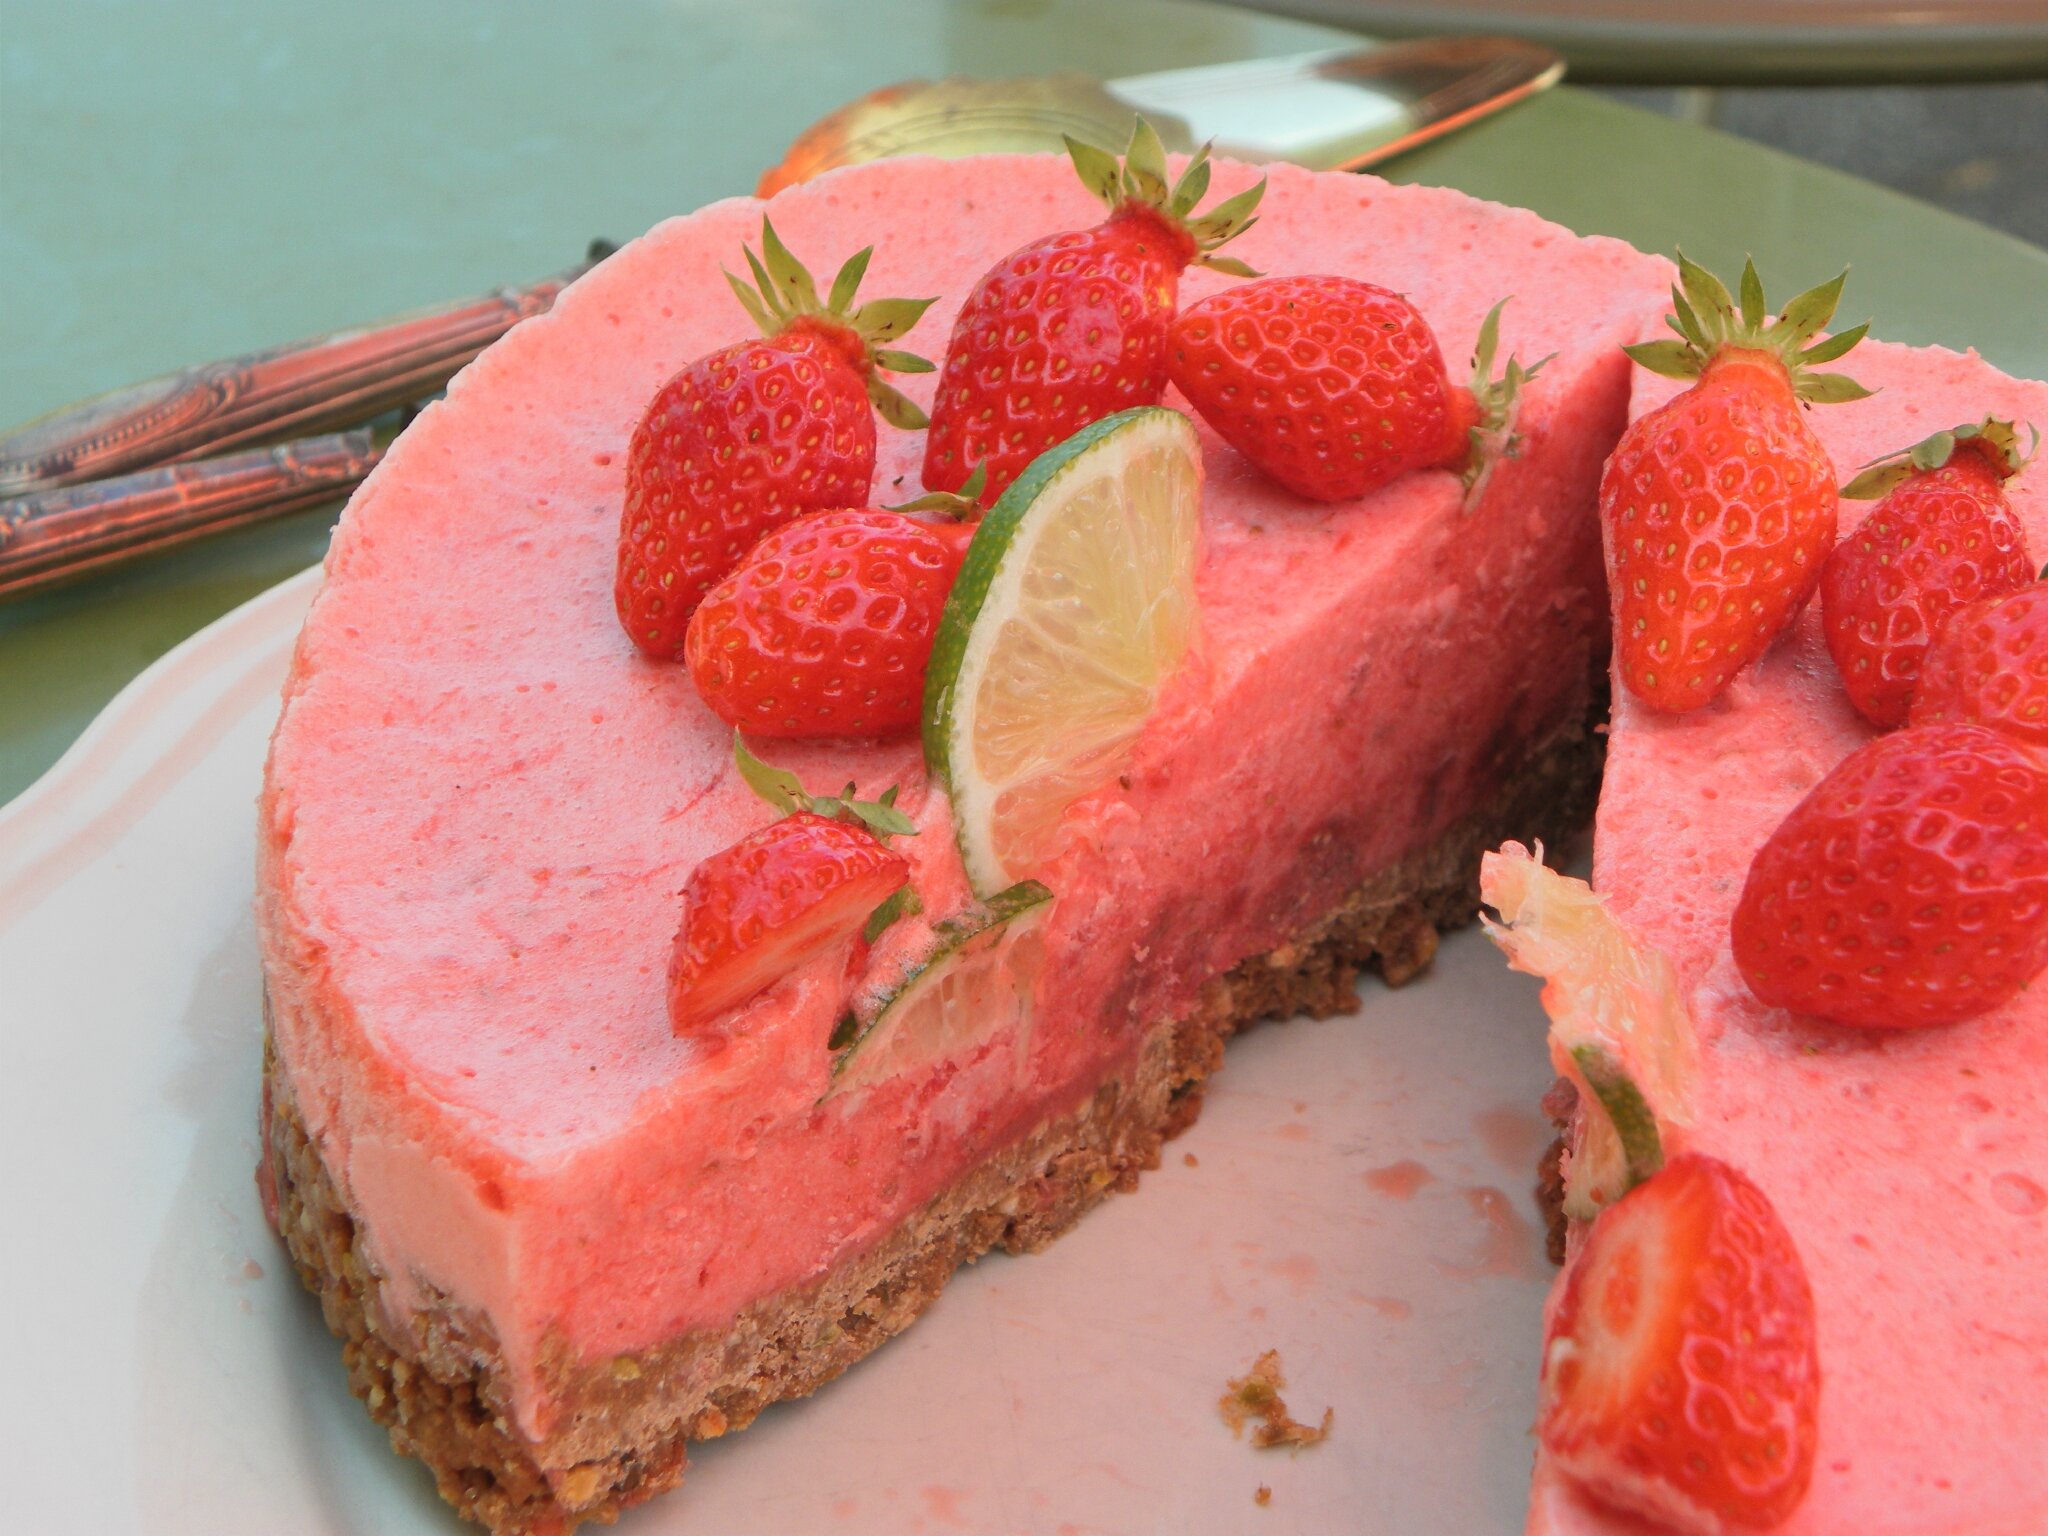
434,1378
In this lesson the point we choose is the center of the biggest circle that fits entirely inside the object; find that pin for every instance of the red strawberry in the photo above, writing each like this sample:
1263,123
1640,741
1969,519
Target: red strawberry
1719,507
826,627
1334,387
1909,887
1942,536
1073,327
754,434
1681,1372
779,897
1989,664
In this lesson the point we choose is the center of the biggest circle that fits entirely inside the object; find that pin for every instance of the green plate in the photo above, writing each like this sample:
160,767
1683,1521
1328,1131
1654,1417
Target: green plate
1728,42
190,182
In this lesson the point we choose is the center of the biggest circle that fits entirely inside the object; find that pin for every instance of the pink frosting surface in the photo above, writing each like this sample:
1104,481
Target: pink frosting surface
1911,1167
481,803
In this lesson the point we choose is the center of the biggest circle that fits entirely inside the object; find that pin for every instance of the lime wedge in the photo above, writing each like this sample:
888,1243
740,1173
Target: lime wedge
970,982
1618,1028
1073,607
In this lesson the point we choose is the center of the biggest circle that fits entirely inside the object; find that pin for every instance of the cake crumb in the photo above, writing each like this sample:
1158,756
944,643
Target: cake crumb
1189,1159
1256,1395
1263,1497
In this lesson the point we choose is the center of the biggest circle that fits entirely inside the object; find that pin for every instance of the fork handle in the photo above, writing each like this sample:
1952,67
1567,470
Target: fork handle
305,387
52,536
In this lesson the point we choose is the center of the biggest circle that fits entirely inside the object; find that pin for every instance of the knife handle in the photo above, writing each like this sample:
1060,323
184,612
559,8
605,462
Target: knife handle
307,386
52,536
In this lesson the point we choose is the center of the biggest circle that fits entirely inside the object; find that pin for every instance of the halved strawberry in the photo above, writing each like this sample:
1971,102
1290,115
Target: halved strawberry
1681,1372
781,896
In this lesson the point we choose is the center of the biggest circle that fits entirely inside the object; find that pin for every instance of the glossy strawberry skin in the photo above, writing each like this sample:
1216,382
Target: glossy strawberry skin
1909,887
1718,508
1944,538
1061,333
1331,386
826,628
777,898
1989,665
1681,1374
736,444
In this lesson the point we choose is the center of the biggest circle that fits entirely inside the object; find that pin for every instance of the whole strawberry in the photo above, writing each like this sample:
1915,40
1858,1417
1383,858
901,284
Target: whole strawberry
754,434
783,895
1989,665
1681,1369
1942,536
1719,506
826,628
1073,327
1909,887
1334,387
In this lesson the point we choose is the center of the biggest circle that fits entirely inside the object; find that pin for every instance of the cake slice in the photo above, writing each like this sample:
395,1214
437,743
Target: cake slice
1910,1167
559,1241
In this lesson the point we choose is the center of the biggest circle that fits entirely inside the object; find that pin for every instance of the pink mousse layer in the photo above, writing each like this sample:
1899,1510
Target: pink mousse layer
481,803
1912,1167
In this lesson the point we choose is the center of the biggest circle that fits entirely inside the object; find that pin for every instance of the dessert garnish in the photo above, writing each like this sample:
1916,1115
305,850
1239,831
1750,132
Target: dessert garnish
1073,327
968,981
1989,665
1720,505
1618,1027
1942,536
1073,608
1681,1368
783,895
1909,887
1335,387
751,435
1256,1395
826,627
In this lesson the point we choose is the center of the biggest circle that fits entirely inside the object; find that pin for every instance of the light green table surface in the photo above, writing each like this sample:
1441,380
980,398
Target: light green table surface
184,182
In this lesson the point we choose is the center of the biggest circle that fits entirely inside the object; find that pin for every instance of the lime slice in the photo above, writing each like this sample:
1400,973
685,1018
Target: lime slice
1073,607
970,982
1618,1028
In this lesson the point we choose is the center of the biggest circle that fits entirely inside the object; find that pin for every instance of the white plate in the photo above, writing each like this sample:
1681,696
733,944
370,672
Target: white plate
166,1375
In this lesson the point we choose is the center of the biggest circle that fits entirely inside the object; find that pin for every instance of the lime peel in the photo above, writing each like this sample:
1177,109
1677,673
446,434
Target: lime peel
1074,606
1618,1027
914,1019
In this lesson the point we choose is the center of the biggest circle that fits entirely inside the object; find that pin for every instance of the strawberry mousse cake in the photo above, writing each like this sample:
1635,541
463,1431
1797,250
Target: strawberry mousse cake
564,1227
1908,1165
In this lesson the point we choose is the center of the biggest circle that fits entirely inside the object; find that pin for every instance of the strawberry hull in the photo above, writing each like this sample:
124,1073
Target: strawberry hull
481,802
1911,1167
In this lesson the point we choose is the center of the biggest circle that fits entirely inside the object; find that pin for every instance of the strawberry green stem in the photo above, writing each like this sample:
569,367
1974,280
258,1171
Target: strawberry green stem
785,791
1495,403
1138,183
782,297
1709,321
952,506
1996,442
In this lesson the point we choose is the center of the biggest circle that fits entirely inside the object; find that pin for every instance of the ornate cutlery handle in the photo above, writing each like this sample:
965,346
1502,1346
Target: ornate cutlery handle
52,536
308,386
